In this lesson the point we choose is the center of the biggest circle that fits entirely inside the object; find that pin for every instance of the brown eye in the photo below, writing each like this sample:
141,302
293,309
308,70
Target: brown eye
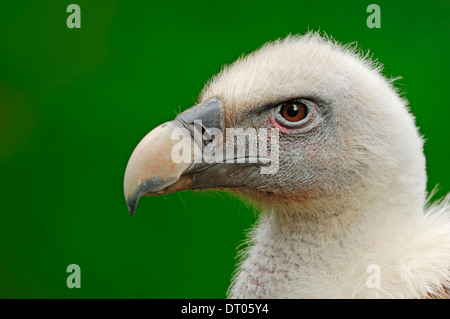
294,111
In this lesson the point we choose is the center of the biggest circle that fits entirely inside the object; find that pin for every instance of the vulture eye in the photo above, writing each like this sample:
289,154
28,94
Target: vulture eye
294,113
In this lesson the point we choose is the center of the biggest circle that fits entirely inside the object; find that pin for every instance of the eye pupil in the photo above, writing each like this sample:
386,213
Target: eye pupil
294,112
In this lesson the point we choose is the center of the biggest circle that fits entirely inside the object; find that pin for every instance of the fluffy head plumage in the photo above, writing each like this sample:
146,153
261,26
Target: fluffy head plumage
366,144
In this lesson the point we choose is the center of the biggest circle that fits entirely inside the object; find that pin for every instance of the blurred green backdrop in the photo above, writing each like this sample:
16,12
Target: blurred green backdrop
75,102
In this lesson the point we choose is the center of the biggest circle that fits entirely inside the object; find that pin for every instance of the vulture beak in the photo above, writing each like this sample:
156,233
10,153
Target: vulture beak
151,169
155,168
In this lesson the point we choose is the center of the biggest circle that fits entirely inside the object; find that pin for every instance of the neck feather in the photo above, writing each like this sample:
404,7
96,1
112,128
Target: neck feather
370,248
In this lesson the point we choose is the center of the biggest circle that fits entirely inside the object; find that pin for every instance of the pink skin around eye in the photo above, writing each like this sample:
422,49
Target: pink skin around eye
287,130
277,125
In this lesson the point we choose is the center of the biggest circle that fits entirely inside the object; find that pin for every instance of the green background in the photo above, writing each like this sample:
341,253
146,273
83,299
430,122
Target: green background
75,102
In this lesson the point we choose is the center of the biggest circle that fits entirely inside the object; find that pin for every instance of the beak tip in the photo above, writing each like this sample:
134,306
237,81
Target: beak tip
132,204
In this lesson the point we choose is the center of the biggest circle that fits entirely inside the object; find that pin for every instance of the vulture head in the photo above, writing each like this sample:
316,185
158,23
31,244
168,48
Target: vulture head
344,177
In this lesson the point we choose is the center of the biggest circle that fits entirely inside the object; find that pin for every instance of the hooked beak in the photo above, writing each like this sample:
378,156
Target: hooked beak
155,169
151,169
